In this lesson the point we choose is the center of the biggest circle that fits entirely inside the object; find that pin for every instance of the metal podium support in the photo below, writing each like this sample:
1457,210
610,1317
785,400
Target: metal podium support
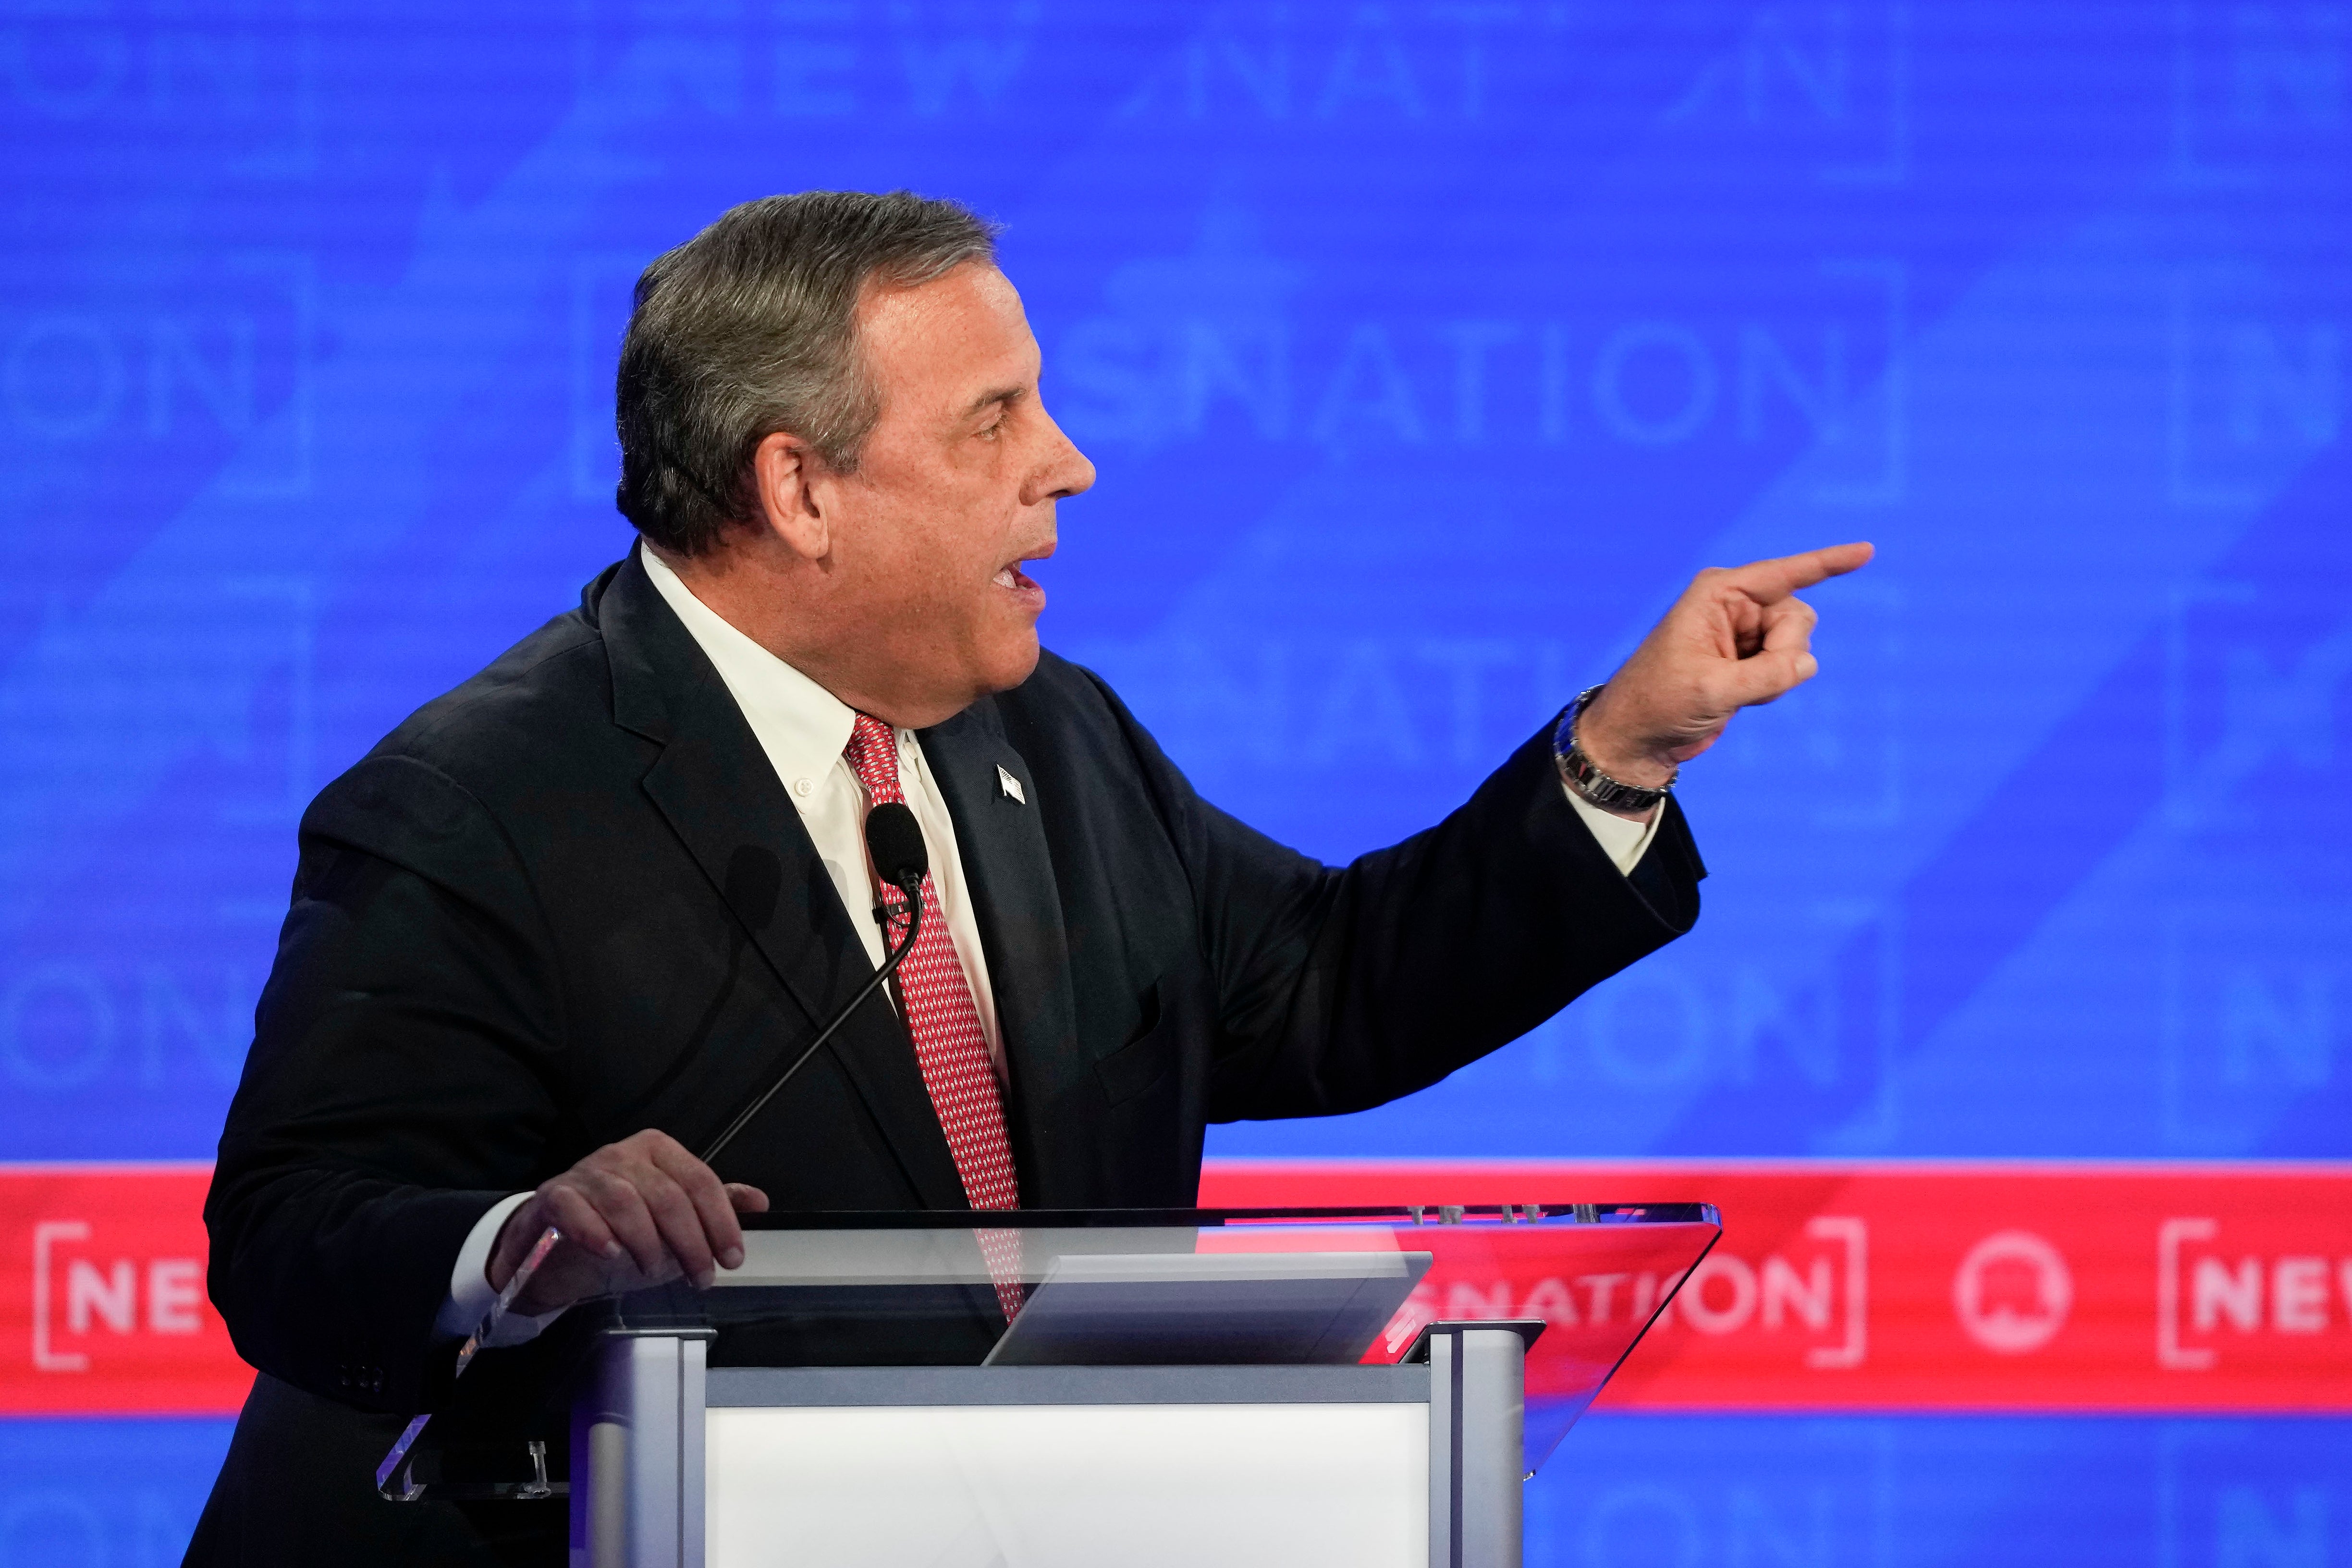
1477,1415
637,1434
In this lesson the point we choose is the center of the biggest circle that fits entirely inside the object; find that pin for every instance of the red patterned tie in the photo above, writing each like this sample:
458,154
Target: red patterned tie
949,1045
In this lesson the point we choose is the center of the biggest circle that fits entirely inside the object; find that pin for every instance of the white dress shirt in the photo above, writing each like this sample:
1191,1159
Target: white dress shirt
803,727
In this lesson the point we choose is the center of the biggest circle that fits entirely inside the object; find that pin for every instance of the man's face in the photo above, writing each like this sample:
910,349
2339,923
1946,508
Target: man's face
955,492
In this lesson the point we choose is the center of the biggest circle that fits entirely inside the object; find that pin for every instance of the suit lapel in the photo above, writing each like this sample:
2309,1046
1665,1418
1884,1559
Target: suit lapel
721,796
1009,868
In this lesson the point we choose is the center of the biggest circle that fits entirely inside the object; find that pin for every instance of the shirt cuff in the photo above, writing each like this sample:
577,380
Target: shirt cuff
1623,840
470,1296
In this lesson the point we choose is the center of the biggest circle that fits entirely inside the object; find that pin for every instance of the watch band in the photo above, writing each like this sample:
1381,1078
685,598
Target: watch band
1590,785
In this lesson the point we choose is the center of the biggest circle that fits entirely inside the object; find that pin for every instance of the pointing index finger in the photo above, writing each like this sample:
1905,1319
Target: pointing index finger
1767,582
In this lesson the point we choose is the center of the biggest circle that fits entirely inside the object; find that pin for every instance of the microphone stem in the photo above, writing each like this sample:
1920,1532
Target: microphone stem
889,967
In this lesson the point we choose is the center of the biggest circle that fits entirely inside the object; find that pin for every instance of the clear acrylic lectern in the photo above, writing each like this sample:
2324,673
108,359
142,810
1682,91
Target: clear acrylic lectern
1369,1386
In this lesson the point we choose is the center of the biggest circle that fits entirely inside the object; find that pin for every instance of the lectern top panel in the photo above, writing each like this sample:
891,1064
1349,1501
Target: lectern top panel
1198,1286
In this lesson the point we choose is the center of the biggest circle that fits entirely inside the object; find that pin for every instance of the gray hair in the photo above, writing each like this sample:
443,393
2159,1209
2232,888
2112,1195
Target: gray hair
749,328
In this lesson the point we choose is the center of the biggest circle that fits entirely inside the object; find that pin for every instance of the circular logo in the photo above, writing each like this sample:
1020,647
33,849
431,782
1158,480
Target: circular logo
2013,1292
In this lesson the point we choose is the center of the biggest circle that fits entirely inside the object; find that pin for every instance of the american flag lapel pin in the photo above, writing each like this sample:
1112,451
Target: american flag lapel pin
1010,786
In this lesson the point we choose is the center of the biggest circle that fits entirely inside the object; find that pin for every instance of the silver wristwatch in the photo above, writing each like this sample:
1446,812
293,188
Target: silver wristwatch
1576,769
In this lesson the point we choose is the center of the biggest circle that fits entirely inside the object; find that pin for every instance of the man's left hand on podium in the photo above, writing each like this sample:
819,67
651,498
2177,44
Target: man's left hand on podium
640,1212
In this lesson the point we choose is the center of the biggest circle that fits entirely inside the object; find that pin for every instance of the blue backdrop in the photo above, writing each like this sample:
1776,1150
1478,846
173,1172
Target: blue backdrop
1425,350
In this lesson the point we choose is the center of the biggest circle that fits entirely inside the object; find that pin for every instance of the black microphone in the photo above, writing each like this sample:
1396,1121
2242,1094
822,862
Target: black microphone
895,841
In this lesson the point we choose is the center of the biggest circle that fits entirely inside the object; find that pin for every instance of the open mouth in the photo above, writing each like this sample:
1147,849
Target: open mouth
1011,577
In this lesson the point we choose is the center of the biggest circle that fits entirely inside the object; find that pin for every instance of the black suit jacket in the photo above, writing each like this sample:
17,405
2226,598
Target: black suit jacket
571,899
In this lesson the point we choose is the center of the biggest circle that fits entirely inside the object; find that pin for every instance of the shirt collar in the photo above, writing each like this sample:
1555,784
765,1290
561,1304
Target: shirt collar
801,725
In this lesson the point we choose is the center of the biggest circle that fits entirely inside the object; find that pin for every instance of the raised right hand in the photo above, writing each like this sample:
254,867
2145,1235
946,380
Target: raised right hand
1737,637
639,1212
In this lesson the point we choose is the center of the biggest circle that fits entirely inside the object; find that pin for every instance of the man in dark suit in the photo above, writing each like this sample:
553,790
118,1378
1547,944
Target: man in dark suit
560,925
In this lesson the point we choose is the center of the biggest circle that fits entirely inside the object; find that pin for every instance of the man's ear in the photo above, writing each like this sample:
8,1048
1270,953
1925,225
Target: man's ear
786,471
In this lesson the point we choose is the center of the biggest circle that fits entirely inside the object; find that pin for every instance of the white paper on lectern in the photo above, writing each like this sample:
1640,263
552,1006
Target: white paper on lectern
1208,1309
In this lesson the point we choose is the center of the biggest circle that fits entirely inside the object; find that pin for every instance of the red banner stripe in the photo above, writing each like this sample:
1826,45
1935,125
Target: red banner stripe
102,1302
1963,1287
1848,1286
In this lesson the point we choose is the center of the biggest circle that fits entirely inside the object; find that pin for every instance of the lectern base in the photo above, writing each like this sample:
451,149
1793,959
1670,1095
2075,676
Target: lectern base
1042,1467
